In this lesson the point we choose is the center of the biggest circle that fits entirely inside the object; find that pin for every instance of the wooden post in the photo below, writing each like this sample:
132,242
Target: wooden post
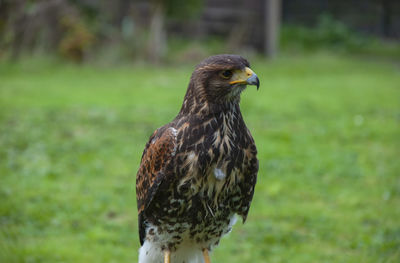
272,24
157,35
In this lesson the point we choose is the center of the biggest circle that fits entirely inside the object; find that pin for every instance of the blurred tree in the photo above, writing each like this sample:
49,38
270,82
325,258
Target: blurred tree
157,34
162,10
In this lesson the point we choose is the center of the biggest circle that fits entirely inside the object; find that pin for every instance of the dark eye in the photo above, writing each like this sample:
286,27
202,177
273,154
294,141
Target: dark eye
226,74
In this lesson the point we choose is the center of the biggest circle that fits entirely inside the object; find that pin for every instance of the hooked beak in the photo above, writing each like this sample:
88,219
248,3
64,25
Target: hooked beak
246,76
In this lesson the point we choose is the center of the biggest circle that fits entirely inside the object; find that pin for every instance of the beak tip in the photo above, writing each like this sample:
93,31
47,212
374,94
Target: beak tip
253,80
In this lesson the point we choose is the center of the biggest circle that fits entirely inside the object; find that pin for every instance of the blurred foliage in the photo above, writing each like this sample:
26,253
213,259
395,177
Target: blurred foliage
333,34
326,128
47,27
79,30
120,31
76,41
184,9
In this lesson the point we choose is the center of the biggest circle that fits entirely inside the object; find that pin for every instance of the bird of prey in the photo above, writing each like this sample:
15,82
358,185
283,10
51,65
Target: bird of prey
198,172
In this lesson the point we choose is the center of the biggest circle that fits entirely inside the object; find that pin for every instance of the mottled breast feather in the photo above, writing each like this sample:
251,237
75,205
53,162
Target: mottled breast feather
156,158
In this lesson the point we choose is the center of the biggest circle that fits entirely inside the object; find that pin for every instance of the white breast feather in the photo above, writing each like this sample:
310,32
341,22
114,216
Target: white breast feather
219,174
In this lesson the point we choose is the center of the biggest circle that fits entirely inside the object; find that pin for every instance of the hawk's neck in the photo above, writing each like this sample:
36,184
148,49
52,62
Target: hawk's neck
197,103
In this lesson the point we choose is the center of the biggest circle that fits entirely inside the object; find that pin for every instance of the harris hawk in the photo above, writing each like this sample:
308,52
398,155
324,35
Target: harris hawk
198,172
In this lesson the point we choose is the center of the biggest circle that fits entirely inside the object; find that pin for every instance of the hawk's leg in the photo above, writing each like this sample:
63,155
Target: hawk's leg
167,256
206,256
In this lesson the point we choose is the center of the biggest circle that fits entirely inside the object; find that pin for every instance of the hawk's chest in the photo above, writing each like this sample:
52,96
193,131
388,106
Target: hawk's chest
214,158
206,187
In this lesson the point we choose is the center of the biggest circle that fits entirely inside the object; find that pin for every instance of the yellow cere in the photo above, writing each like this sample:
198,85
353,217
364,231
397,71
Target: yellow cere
241,76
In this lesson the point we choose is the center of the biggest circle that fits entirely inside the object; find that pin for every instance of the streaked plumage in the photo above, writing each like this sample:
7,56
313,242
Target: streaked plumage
198,171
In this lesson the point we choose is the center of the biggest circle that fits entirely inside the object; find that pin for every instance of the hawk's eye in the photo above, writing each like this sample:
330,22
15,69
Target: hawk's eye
226,74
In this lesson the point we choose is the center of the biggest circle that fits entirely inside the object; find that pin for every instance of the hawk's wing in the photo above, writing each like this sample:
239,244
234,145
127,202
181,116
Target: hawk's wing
247,186
157,156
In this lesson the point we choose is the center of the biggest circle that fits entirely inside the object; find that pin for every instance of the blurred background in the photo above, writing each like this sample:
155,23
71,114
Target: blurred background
159,30
83,84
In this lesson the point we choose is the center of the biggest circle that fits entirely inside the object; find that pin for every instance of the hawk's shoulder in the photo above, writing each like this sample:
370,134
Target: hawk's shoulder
157,155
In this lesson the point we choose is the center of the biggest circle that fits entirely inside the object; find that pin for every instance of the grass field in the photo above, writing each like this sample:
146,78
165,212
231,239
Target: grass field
327,130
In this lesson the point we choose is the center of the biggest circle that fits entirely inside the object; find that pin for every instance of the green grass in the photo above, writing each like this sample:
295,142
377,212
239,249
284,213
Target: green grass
327,130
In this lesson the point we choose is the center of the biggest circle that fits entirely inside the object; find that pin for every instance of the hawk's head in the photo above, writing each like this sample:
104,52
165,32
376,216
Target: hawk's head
220,79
